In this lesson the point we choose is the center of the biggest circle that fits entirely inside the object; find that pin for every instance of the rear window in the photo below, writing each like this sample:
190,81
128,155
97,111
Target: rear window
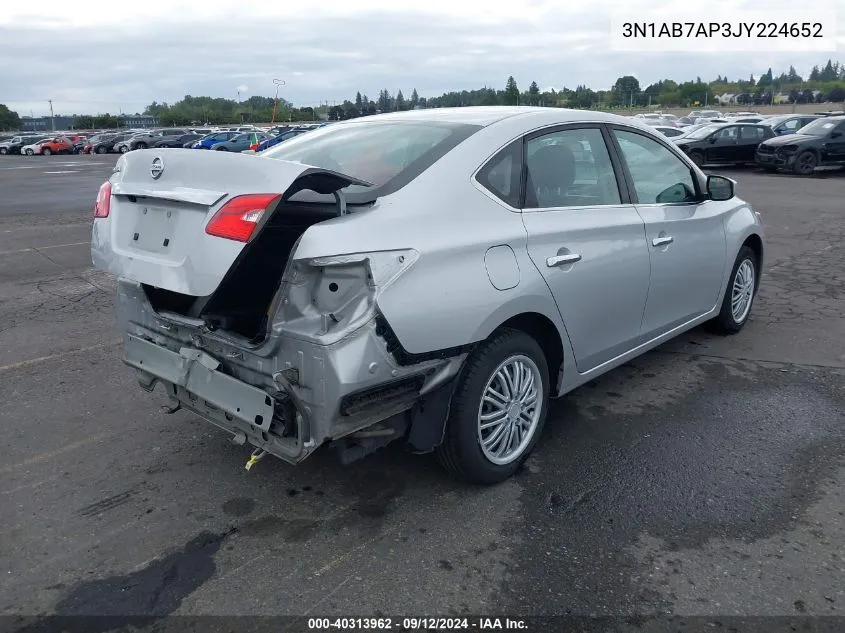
389,154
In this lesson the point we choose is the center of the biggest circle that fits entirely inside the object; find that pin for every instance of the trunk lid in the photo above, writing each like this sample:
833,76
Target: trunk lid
162,202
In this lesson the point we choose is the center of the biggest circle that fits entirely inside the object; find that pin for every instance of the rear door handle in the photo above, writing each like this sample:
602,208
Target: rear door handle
662,241
551,262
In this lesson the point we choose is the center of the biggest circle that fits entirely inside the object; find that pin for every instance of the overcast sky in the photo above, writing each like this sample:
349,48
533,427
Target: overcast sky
92,56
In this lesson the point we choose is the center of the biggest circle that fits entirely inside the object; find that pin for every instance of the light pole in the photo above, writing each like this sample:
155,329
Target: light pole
279,83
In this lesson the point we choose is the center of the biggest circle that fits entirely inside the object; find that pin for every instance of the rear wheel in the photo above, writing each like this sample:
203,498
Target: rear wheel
498,410
141,145
3,151
46,151
739,295
805,163
101,150
124,149
697,158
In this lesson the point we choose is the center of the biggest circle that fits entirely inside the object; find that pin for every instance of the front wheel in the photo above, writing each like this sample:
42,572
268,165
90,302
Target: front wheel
141,145
805,163
3,151
30,152
498,410
739,295
101,150
124,149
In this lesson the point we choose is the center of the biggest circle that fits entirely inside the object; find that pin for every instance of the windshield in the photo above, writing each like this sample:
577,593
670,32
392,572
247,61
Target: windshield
701,132
819,127
389,154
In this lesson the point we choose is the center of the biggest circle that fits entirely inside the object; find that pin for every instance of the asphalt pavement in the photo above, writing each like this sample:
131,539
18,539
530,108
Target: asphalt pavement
704,478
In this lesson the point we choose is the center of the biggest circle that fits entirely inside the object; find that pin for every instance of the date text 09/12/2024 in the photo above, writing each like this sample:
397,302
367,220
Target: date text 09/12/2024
417,624
723,29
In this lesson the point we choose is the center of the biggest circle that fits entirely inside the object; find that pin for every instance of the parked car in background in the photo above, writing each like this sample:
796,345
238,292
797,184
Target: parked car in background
706,114
817,144
153,137
88,148
48,146
240,142
724,143
178,141
108,143
215,137
746,119
17,143
280,138
668,131
79,144
287,310
789,123
122,146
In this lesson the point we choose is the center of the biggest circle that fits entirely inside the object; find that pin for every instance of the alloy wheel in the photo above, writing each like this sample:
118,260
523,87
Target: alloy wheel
510,410
743,291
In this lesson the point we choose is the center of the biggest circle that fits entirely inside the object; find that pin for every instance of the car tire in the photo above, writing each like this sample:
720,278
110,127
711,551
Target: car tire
141,145
101,150
221,149
697,158
29,152
805,163
464,451
3,151
46,151
739,295
123,149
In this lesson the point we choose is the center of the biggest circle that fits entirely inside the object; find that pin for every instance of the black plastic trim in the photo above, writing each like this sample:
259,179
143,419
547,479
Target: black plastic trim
403,356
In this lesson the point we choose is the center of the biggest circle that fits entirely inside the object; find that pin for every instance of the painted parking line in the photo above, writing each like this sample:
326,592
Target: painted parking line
63,171
42,359
42,248
19,167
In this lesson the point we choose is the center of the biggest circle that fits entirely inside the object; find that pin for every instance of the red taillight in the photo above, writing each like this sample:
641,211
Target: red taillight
239,217
103,203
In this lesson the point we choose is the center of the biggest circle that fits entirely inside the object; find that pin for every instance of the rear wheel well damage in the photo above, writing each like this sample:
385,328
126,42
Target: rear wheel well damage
427,420
542,330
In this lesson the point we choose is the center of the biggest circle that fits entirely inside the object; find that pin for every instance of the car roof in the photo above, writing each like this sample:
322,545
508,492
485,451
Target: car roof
487,115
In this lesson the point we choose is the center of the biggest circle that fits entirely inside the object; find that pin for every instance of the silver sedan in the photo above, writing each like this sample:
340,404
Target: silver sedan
433,277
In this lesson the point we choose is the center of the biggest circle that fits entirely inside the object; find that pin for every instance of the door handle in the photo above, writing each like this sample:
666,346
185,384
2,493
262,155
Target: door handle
662,241
551,262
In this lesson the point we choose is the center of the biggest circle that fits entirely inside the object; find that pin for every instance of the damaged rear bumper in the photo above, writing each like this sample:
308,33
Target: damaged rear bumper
289,396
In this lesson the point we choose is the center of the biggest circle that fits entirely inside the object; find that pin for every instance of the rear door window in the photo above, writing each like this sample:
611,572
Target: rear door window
569,168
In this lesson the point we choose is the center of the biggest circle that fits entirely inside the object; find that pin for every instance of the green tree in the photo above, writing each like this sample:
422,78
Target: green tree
765,78
384,100
9,119
415,99
400,101
511,96
626,90
829,72
534,94
359,103
815,74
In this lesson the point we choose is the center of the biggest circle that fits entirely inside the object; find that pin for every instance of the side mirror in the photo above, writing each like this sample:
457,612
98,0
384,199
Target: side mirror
720,188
